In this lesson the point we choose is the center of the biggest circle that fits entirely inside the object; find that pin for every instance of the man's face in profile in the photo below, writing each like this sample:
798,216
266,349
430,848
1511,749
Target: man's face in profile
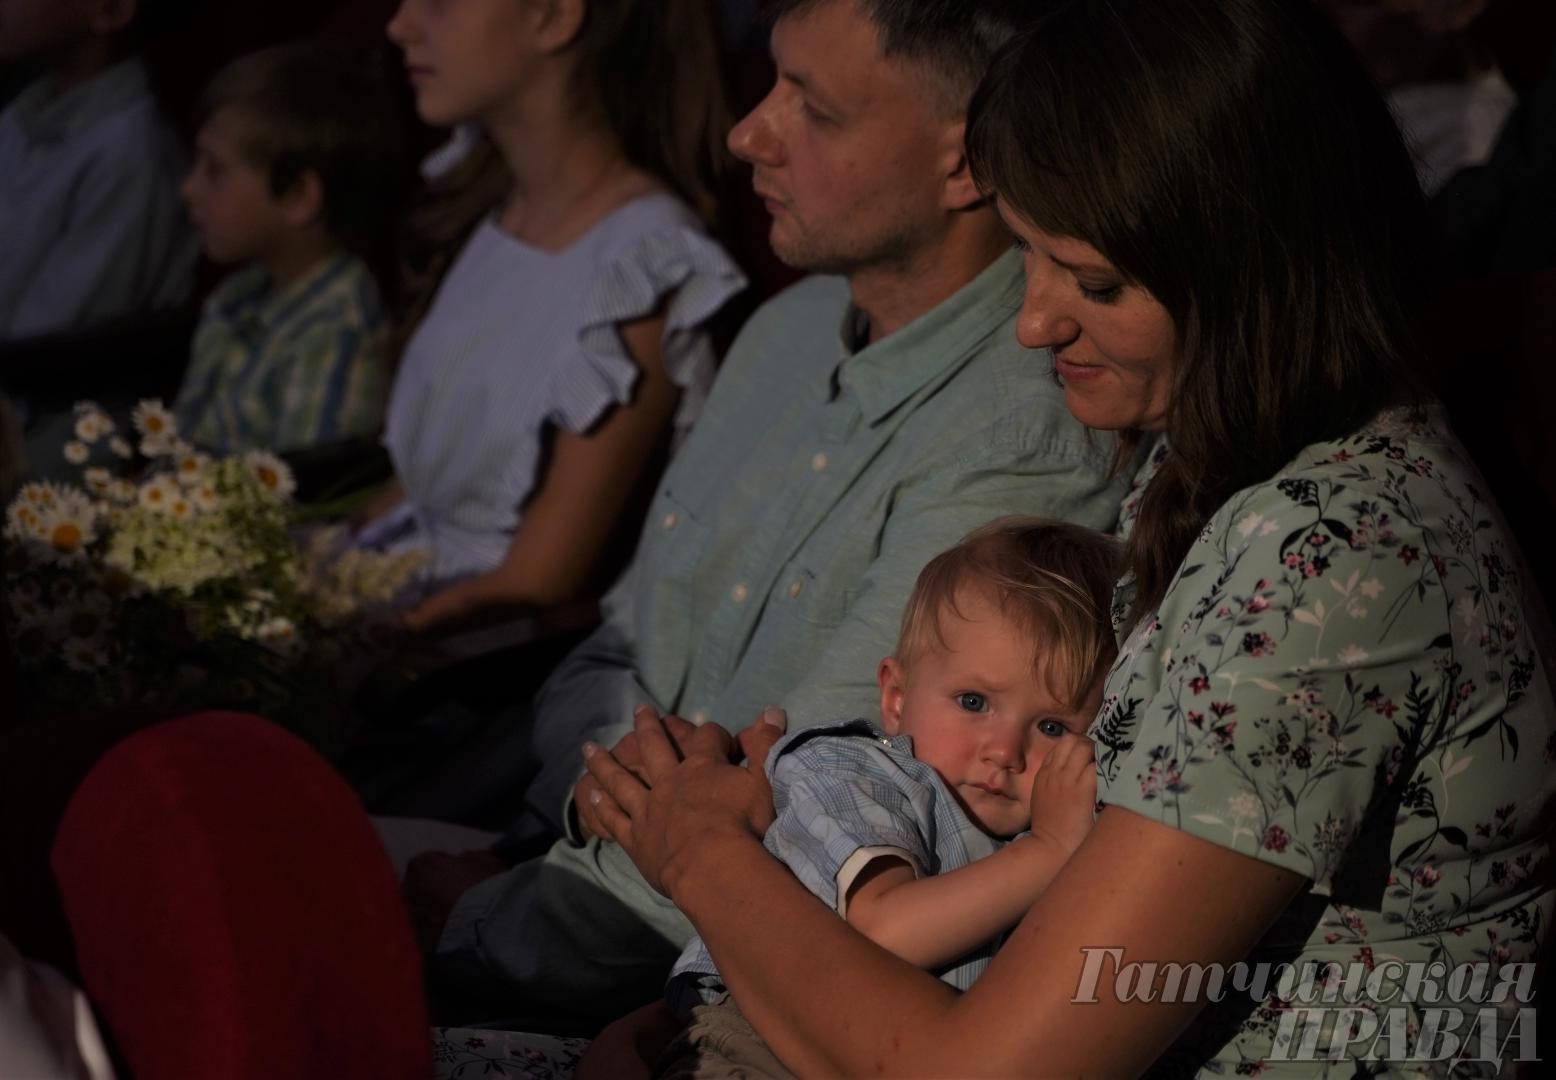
847,148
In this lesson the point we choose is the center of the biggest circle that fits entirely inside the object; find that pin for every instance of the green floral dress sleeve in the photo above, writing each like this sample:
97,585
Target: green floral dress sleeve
1341,680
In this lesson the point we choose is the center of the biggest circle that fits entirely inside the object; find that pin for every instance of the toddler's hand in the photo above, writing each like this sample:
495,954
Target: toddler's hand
1064,793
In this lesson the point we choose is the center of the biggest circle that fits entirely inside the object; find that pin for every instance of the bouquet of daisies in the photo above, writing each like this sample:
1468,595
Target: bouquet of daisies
169,577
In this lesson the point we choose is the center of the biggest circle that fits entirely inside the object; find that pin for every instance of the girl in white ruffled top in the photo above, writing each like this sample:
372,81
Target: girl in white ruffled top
569,335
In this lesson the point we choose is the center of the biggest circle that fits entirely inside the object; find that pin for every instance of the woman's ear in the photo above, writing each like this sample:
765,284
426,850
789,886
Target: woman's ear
559,22
303,202
893,682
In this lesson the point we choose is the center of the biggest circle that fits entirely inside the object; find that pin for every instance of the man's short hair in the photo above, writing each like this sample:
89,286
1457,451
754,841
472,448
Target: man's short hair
323,107
1052,579
954,39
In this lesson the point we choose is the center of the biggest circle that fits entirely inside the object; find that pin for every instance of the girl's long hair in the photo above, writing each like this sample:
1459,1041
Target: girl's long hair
1233,159
655,68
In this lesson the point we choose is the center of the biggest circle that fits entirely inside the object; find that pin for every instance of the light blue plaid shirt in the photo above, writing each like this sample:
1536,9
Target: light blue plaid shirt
838,789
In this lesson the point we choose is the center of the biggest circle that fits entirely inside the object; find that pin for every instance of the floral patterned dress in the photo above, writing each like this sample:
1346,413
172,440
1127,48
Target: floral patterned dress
1342,679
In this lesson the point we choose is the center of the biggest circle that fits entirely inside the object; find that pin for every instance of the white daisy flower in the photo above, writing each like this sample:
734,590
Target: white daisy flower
92,424
98,480
68,529
153,420
77,452
179,506
158,493
278,633
274,475
85,654
122,491
40,494
120,446
156,445
23,519
189,465
205,497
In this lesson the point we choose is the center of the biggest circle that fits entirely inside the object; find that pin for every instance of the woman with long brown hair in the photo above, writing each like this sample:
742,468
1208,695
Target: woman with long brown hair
1326,740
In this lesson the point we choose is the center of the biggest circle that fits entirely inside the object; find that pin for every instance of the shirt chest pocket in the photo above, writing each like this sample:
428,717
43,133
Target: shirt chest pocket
819,594
673,545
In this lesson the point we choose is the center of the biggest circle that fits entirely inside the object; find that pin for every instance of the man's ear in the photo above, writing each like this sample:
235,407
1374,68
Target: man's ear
303,202
894,684
958,191
112,16
558,23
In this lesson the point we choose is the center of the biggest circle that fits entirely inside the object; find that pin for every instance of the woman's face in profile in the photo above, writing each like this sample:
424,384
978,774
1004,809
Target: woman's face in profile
1114,344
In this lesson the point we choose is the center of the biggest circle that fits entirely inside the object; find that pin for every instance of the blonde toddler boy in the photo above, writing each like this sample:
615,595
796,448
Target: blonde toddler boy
934,831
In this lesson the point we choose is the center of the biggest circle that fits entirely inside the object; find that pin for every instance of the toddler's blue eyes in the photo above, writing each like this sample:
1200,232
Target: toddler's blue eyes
1052,728
972,702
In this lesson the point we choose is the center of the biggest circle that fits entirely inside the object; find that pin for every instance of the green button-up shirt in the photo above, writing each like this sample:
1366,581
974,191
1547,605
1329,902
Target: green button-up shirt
786,536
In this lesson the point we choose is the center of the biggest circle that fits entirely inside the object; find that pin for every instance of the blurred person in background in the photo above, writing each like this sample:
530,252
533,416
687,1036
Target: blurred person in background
91,230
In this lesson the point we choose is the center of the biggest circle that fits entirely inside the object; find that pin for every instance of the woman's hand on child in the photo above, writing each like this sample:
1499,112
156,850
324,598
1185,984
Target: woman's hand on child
627,756
1064,792
686,794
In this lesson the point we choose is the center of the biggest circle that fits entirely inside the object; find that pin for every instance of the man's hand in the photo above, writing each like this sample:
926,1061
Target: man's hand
434,882
627,756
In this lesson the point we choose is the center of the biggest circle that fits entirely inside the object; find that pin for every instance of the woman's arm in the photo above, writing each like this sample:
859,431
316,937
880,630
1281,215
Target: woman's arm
385,499
571,515
1134,885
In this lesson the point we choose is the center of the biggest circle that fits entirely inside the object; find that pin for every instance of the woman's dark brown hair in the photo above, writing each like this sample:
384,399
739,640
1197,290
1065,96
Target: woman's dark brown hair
655,69
1232,158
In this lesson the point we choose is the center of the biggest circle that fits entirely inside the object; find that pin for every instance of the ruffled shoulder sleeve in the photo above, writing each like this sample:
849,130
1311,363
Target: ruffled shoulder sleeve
675,262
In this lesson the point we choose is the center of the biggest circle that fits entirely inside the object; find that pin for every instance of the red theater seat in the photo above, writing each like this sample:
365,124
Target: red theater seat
233,913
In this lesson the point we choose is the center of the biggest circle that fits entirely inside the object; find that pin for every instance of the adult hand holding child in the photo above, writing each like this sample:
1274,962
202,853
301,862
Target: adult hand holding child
662,822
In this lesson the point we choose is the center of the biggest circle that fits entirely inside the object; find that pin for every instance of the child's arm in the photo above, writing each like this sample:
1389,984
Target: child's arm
932,921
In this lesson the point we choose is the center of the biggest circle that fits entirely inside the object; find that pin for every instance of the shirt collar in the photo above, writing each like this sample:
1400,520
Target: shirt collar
885,373
47,117
247,299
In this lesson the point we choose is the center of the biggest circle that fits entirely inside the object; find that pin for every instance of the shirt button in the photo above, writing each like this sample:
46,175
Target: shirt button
670,521
700,717
819,462
739,593
794,589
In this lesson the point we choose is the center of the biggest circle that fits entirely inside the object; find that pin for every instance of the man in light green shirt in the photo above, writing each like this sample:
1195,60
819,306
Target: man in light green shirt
862,423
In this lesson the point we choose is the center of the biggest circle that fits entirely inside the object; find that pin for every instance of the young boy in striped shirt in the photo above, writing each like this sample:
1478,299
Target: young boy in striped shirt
298,165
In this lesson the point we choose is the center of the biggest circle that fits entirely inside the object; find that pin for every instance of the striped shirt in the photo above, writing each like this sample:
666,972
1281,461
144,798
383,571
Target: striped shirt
520,339
282,369
840,791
